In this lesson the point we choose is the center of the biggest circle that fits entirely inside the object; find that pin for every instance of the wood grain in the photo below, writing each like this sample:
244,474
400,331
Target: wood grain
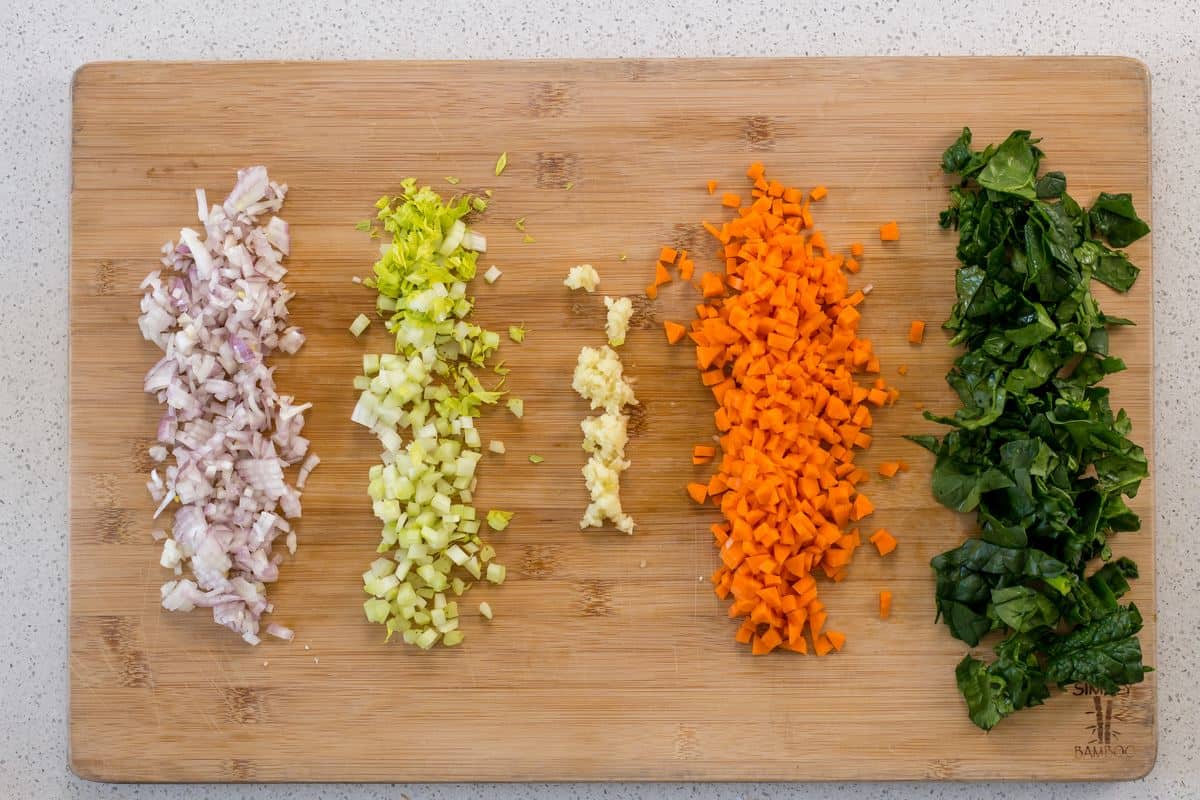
594,667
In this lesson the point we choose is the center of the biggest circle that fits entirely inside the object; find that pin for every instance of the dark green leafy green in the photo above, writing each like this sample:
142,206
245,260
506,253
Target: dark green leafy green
1035,450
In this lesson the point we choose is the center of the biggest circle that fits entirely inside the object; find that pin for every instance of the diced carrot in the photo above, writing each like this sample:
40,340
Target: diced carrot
777,343
661,276
884,541
889,232
686,268
675,331
916,331
885,604
712,186
652,291
818,193
667,255
888,469
856,249
711,285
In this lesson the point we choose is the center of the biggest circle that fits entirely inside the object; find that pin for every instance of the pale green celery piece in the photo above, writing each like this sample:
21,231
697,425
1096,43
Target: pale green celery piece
473,566
453,181
452,609
428,638
376,610
370,363
517,406
487,552
527,239
479,204
453,638
364,225
500,369
359,325
362,382
501,163
520,223
517,333
536,459
485,610
458,585
496,573
498,520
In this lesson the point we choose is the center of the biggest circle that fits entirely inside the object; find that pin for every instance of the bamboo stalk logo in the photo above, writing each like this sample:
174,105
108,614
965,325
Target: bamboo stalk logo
1102,728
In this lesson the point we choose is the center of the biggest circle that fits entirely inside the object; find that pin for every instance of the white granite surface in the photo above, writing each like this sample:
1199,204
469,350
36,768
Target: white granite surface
41,43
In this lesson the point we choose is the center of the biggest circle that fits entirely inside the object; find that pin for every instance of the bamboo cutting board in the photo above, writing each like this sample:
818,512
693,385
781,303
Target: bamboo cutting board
609,657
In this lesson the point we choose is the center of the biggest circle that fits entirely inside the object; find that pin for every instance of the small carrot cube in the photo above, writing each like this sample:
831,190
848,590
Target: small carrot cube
889,232
711,285
667,255
888,469
836,638
885,604
675,331
698,491
652,291
712,186
731,200
818,193
916,331
856,249
661,276
884,541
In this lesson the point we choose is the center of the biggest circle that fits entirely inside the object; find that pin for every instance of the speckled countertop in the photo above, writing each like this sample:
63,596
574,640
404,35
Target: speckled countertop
42,43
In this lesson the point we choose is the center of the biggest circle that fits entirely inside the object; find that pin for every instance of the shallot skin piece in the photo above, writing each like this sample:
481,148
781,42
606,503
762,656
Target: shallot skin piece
217,311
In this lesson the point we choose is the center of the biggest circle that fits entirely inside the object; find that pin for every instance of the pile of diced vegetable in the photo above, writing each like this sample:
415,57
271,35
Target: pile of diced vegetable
428,388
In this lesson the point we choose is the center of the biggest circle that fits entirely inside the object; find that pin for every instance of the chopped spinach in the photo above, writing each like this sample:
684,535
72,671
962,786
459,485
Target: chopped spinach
1035,449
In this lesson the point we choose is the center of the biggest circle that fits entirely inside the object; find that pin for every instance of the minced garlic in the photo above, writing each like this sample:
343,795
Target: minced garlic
583,276
619,313
599,379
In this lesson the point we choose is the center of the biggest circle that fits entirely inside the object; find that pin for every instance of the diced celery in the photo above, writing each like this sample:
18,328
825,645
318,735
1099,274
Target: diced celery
376,610
498,520
495,573
452,638
359,325
485,610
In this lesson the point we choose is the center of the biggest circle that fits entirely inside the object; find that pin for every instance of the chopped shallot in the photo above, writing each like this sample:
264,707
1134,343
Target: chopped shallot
217,311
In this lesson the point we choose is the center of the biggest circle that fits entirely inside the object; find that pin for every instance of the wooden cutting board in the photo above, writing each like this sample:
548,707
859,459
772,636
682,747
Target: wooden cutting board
609,657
